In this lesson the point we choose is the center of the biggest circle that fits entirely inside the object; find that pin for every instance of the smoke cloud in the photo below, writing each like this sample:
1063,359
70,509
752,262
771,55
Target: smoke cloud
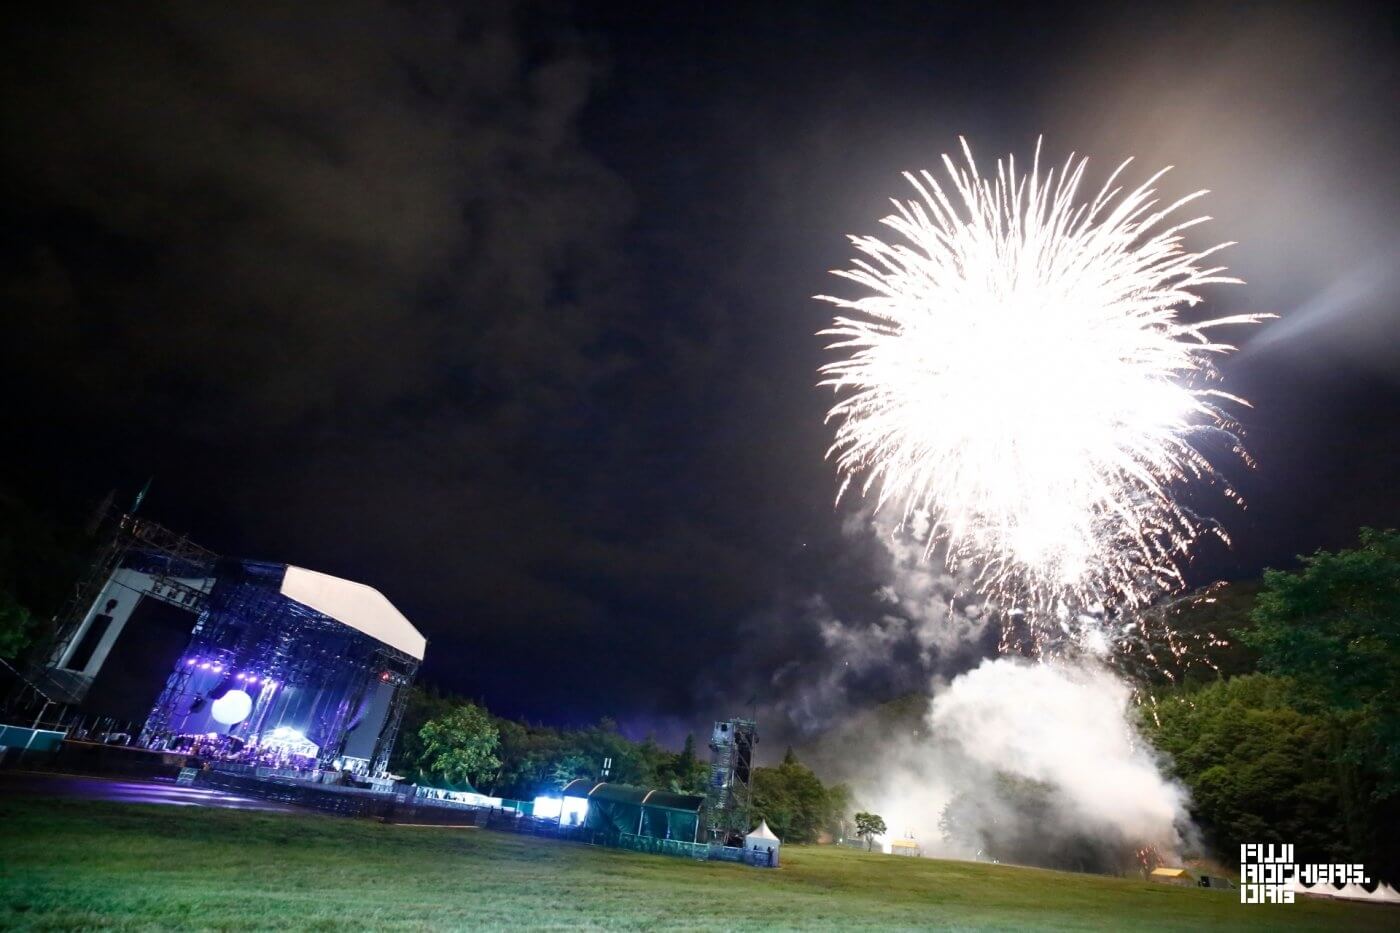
982,757
915,623
1067,731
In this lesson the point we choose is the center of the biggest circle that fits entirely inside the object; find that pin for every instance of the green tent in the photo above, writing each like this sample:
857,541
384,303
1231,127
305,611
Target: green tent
619,808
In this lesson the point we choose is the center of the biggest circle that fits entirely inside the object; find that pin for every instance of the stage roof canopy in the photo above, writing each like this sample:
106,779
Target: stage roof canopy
637,796
361,607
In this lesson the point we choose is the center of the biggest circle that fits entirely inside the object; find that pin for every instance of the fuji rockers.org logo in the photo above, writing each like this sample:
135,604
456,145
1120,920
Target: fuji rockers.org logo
1268,873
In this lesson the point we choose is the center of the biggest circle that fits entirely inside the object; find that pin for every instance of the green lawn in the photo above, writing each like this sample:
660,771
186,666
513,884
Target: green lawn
68,864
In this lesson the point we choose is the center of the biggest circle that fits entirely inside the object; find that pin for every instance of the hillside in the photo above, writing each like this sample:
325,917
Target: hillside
71,865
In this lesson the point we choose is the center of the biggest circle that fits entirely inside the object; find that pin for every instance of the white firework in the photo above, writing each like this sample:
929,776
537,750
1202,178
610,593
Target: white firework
1017,374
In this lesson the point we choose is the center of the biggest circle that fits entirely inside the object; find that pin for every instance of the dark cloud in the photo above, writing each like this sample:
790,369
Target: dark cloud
349,284
342,277
295,213
506,309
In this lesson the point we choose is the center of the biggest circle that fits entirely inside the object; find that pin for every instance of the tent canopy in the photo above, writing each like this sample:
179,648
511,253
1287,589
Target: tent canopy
361,607
578,787
621,808
666,800
635,796
763,833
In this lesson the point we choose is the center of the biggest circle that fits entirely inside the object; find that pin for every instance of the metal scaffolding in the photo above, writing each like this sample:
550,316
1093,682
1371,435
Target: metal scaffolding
181,574
313,672
730,797
310,668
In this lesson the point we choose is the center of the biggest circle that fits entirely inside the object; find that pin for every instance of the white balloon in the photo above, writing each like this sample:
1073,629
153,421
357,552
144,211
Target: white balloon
232,708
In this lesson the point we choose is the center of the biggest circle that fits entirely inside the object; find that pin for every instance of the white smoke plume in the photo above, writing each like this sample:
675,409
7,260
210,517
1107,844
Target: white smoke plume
1063,731
923,623
1069,728
942,607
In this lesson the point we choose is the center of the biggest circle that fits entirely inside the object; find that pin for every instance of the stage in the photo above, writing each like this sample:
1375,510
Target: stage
118,790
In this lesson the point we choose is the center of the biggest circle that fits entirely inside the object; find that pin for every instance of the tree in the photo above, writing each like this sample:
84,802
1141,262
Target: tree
16,626
534,759
792,799
423,704
686,759
40,557
632,762
461,745
1259,770
868,826
683,773
838,808
568,768
1334,628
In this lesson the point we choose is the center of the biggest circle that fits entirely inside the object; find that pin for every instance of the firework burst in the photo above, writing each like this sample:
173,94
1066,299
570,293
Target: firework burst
1017,373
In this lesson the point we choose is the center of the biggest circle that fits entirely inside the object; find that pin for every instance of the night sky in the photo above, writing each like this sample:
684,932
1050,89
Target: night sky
504,309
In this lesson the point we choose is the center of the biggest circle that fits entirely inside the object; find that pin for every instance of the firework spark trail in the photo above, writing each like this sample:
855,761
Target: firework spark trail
1017,374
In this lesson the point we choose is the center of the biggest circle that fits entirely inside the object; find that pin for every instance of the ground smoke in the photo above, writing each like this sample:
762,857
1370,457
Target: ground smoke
1038,763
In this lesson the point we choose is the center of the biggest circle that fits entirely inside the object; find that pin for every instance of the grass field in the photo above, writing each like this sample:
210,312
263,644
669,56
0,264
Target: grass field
68,864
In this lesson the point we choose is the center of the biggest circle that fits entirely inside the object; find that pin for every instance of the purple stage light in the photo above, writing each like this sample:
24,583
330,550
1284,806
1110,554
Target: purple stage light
204,666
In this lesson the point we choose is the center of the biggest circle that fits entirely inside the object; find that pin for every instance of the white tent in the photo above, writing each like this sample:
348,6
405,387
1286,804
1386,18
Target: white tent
759,843
1298,887
1383,893
1351,892
361,607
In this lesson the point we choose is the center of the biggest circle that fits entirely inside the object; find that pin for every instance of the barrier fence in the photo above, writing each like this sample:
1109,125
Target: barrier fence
696,850
345,801
699,851
96,758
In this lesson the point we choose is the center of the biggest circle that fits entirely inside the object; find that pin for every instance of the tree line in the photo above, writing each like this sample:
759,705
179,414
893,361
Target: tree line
40,558
1276,702
1297,740
451,742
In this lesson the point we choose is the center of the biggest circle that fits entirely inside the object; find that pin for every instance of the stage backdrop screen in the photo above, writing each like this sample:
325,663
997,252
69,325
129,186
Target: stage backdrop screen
135,671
